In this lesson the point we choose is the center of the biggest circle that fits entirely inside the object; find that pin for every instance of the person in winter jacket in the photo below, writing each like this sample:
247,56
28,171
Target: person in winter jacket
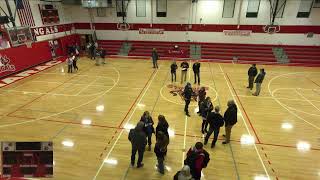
252,72
196,71
138,140
184,69
160,150
155,58
148,127
215,120
187,94
162,126
259,81
174,68
230,119
201,97
183,174
206,108
197,158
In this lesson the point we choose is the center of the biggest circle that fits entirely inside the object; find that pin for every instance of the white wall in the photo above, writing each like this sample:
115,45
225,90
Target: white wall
178,12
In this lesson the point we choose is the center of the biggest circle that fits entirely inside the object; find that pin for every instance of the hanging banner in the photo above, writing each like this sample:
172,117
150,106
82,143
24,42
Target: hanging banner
150,31
237,32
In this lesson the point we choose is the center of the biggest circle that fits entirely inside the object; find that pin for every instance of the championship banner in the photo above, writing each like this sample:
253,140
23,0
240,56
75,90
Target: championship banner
150,31
237,32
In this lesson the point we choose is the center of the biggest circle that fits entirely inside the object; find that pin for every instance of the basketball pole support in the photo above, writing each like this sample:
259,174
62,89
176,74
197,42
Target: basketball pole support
274,14
10,14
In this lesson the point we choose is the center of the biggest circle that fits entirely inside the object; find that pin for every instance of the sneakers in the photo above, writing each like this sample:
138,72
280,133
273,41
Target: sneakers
213,145
140,165
187,114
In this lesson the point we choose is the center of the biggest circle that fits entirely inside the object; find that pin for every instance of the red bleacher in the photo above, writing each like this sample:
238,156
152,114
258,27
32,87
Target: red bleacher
303,54
111,46
244,52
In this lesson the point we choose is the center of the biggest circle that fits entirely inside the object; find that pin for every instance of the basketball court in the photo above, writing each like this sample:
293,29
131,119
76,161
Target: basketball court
88,114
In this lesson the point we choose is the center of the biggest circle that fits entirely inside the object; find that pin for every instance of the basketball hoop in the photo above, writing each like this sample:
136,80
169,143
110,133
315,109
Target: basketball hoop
28,44
123,26
271,29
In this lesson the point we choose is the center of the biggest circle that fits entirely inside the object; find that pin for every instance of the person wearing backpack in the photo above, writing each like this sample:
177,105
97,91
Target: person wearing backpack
160,149
215,120
138,140
230,119
148,127
183,174
197,158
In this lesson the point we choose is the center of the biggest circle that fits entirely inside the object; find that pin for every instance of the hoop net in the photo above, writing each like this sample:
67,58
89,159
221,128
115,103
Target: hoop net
28,44
123,26
271,29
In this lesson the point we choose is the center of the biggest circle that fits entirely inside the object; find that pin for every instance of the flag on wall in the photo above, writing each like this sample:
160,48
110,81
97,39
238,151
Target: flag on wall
24,13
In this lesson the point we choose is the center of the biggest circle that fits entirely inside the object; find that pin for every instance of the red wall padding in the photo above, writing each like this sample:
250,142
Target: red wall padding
22,57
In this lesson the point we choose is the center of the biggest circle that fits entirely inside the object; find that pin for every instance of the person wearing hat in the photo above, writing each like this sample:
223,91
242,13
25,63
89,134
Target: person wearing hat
252,72
187,94
259,81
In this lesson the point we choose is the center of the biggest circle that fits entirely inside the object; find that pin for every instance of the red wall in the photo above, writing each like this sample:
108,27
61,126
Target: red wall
22,57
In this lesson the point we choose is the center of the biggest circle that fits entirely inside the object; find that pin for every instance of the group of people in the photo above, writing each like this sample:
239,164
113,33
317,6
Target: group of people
141,140
73,58
252,73
94,50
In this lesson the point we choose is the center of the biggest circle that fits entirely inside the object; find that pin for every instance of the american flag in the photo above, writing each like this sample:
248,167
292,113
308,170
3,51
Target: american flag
24,13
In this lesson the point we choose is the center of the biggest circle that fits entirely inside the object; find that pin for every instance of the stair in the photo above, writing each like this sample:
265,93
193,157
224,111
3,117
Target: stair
125,48
280,55
195,51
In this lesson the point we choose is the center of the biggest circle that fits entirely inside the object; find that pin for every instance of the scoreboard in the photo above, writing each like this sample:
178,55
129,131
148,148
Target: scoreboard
27,159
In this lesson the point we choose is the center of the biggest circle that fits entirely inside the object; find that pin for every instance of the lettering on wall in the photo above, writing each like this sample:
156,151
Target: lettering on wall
40,31
150,31
5,64
237,32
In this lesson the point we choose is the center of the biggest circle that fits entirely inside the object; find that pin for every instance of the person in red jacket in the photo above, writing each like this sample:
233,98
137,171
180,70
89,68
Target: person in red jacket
197,158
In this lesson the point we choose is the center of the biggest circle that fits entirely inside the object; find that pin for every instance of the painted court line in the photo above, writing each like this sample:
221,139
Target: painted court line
121,132
306,99
255,147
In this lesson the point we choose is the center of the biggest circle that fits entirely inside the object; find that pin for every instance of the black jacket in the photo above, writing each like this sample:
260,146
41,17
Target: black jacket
215,120
184,65
155,55
231,115
196,67
187,93
138,139
260,77
162,127
252,71
173,67
148,125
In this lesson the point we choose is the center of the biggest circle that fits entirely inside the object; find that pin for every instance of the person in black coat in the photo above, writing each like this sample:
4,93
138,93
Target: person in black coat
148,127
174,68
187,94
205,108
259,81
155,58
230,119
215,120
160,149
196,71
252,72
162,126
138,140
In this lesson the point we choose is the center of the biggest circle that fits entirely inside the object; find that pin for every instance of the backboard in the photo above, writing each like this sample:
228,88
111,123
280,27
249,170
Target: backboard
19,35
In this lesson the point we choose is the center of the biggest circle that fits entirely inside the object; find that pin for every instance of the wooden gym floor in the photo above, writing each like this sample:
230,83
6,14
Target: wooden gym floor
277,134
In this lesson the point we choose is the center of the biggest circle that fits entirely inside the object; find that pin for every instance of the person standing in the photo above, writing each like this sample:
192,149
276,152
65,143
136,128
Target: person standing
201,97
138,140
74,63
215,120
103,55
252,72
70,62
93,50
148,127
162,126
160,149
187,94
196,71
184,69
155,58
259,81
230,119
206,108
197,159
174,68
